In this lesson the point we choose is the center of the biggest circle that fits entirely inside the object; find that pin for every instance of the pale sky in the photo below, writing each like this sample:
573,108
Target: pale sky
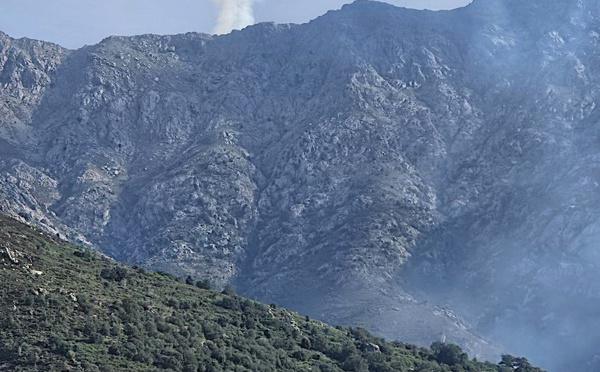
74,23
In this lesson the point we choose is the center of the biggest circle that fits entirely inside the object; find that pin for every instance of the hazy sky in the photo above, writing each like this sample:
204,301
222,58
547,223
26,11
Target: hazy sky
73,23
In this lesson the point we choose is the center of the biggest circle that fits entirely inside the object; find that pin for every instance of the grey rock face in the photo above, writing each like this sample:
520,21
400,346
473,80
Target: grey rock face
378,166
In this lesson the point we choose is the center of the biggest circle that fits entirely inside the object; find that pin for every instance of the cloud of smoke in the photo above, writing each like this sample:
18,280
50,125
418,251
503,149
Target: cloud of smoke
233,15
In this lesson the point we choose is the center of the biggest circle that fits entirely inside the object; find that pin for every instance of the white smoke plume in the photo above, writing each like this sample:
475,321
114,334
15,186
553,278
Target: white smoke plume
233,15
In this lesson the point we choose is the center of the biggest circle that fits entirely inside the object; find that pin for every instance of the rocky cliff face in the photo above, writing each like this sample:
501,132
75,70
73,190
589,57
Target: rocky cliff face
361,168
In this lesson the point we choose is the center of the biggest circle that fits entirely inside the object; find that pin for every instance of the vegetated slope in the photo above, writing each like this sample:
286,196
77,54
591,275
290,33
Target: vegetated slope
68,308
384,159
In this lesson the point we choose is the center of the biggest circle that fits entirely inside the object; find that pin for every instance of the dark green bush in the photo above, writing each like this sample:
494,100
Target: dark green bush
116,274
449,354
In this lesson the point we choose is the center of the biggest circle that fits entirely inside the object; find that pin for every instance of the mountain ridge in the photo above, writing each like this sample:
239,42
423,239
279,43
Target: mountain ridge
350,158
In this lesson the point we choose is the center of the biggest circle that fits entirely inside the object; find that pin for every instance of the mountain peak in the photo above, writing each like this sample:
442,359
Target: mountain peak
533,8
4,37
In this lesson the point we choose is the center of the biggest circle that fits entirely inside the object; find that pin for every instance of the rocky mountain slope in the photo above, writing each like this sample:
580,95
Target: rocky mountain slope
64,308
426,175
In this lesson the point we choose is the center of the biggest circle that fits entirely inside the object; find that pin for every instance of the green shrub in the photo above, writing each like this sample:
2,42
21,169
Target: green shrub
116,274
449,354
203,284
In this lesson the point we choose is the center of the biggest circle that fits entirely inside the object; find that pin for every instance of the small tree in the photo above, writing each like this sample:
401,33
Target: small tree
116,274
59,346
449,354
203,284
229,290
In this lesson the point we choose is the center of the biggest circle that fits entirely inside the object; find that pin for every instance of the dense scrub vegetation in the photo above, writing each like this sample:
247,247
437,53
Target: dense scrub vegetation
67,308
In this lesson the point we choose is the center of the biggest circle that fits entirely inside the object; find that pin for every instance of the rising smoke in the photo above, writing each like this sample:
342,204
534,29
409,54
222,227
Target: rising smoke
233,15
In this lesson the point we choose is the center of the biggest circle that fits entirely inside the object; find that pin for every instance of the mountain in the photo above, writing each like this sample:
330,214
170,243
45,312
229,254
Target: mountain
425,175
70,309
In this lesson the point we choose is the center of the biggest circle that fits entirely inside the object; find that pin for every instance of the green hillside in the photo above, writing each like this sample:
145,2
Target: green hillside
64,308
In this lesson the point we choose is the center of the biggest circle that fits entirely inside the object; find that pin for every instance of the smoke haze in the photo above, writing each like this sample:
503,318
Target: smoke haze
233,15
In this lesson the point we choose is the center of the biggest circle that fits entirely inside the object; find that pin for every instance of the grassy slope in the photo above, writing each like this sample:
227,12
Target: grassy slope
57,312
